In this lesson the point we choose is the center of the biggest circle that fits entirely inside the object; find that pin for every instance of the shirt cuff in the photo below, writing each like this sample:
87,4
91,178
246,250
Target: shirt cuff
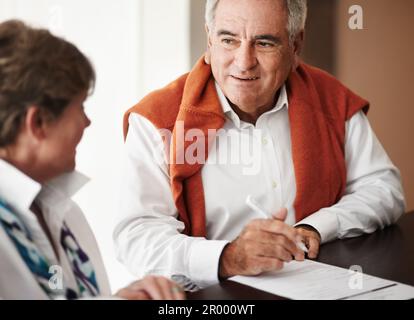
325,221
204,261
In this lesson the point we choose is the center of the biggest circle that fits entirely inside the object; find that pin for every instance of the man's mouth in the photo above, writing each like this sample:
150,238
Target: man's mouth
244,78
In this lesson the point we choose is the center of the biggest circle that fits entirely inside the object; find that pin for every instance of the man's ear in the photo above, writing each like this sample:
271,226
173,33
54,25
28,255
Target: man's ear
34,123
297,48
207,55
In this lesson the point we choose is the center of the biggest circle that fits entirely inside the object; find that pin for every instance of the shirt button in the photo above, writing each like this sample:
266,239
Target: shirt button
264,141
274,185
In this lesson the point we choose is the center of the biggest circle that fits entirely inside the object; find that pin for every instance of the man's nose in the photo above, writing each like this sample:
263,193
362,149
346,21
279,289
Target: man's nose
245,58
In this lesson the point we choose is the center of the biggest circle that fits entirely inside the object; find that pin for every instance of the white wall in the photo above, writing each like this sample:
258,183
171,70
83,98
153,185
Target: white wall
136,46
164,36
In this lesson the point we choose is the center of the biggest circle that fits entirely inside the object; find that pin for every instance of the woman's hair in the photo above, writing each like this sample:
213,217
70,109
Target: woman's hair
37,68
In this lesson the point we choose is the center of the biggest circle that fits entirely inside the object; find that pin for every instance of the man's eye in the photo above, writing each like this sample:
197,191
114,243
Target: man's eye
265,44
227,41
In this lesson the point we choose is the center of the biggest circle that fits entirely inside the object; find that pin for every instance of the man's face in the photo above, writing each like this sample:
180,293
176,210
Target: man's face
251,56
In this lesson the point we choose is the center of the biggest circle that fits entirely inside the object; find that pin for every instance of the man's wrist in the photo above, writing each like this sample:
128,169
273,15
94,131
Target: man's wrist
223,271
309,228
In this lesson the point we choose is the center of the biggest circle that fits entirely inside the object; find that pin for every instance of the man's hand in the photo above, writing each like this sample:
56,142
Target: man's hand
152,288
263,245
311,238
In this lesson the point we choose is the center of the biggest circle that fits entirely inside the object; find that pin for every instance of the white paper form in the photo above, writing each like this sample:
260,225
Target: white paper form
398,291
311,280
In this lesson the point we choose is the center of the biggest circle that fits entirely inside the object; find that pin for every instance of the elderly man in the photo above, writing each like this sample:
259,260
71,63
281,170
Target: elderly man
319,173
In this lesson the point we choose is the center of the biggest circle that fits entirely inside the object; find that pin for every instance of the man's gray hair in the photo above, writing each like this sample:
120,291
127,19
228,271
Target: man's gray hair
297,11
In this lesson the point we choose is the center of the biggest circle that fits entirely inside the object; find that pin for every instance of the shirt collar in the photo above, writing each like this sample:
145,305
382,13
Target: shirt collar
281,102
19,190
62,188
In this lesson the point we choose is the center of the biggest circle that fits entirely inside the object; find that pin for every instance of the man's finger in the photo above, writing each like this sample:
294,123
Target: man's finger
313,247
280,215
270,264
276,227
271,250
265,237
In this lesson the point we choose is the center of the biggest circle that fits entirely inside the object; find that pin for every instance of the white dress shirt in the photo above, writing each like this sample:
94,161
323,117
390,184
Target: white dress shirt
19,191
148,238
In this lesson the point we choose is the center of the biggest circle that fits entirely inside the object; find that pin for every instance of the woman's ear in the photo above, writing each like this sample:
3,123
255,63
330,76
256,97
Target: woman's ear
35,123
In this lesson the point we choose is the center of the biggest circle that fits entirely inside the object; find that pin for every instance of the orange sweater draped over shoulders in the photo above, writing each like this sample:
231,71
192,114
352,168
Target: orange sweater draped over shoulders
319,106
